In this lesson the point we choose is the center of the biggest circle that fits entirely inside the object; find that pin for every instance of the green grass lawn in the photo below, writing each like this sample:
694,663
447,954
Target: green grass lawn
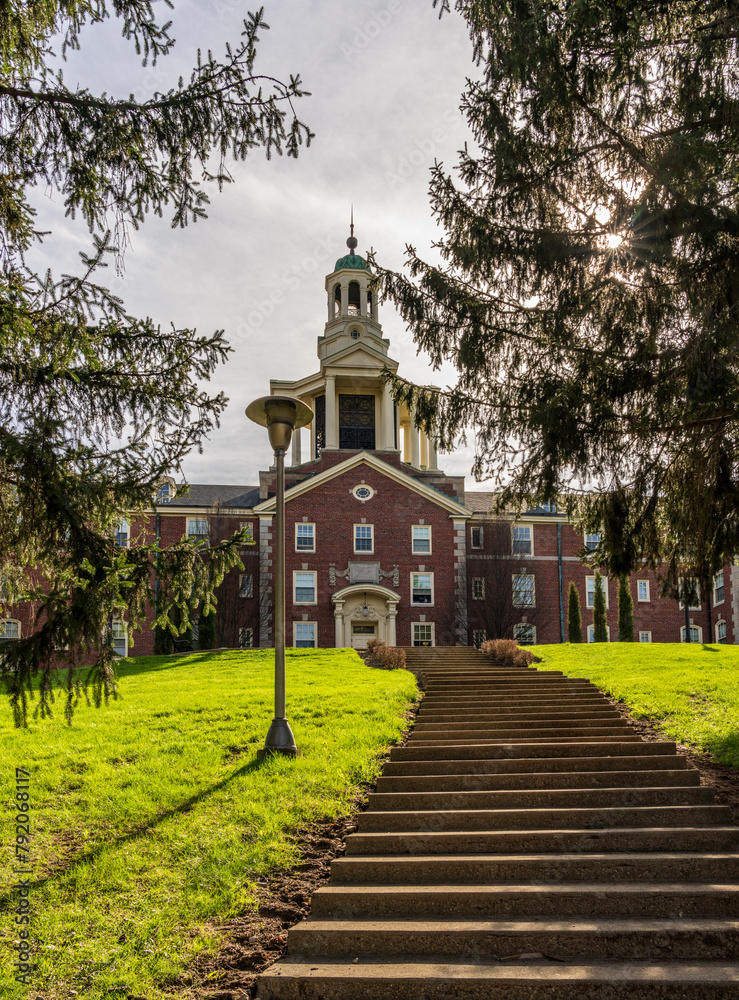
693,690
152,819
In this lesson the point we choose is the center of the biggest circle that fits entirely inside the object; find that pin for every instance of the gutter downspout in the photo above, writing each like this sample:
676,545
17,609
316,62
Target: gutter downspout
559,567
156,560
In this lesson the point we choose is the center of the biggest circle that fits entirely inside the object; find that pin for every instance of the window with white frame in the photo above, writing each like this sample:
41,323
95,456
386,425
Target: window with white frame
423,633
590,590
645,637
246,585
591,633
478,588
304,588
718,588
10,630
524,595
246,637
119,637
422,588
592,540
364,538
522,540
304,635
421,538
476,537
479,635
689,584
197,528
305,537
525,634
721,632
121,534
165,493
642,590
549,506
249,527
696,634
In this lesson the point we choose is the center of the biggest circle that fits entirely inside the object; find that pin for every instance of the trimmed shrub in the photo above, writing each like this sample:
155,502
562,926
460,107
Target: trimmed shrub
508,651
574,615
625,611
600,623
384,657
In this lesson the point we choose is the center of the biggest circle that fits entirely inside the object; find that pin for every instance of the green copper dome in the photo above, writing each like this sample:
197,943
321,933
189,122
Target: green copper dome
352,260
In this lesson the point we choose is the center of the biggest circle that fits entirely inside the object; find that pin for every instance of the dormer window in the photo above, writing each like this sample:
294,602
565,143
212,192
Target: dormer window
354,301
165,492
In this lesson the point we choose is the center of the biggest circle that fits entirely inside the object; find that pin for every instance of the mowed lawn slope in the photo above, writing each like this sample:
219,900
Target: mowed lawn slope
152,818
691,689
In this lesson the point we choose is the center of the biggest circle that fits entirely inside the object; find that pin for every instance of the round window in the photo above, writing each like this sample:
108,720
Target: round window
355,334
363,492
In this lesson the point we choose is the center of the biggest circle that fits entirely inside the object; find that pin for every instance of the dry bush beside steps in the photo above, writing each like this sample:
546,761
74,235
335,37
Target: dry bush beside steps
508,651
384,657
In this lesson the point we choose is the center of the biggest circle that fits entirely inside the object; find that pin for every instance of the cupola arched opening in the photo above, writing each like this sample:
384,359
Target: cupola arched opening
354,300
369,303
337,299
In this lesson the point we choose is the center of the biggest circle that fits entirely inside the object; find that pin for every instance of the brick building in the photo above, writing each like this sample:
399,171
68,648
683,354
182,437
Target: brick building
380,542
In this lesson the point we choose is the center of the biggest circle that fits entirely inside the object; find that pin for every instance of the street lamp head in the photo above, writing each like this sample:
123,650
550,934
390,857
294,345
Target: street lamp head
281,415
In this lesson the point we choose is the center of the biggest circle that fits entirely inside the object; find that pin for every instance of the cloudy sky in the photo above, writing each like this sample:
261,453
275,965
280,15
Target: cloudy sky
386,80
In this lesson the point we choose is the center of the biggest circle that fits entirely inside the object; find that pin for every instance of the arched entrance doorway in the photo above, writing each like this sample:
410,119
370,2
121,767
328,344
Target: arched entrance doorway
363,612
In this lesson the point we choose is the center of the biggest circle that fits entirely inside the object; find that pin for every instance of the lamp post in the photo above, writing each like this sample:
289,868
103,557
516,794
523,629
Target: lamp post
281,415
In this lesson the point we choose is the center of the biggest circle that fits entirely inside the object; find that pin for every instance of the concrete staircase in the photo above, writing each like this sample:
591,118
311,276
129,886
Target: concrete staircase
525,844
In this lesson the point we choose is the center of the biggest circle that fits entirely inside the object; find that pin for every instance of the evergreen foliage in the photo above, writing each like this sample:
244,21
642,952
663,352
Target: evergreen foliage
207,631
590,278
96,405
600,623
574,615
625,611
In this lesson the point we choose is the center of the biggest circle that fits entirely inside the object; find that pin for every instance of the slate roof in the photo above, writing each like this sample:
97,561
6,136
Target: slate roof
206,495
481,502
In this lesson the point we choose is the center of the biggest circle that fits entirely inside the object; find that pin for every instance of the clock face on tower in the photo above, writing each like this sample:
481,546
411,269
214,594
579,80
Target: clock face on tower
363,492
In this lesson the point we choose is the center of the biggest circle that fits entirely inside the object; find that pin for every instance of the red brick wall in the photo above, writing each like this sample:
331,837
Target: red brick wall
392,511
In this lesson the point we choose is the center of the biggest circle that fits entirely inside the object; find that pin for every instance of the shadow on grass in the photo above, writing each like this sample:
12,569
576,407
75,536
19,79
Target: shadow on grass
725,748
140,830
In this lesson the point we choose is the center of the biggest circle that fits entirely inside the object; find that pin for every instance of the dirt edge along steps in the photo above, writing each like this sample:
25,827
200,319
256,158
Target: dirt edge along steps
525,844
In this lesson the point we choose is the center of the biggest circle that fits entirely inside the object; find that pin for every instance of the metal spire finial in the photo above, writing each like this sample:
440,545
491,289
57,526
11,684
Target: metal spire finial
352,241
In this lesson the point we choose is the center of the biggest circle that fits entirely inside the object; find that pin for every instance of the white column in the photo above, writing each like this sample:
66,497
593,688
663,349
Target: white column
406,432
332,430
339,624
424,449
388,419
392,611
363,301
433,458
415,441
296,460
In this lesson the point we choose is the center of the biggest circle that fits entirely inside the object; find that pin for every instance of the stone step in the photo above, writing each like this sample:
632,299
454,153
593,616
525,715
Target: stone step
545,841
472,731
492,750
522,725
374,821
508,698
506,902
543,765
494,739
561,780
475,715
531,868
549,798
698,938
535,980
